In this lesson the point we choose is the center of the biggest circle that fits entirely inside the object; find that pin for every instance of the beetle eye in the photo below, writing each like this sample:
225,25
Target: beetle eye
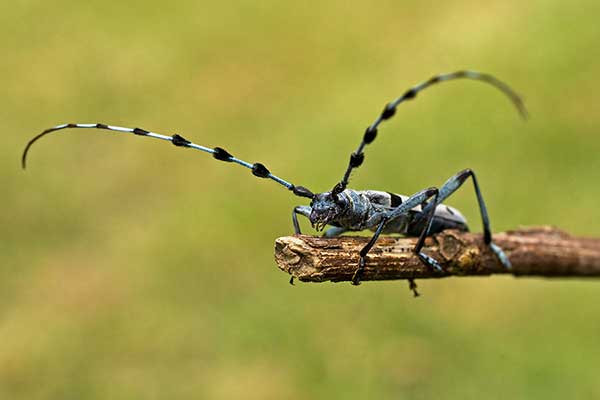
339,200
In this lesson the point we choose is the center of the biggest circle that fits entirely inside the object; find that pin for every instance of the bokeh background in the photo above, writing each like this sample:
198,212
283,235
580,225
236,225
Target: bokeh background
132,269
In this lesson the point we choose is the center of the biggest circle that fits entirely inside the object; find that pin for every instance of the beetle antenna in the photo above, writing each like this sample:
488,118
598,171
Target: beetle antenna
258,169
357,158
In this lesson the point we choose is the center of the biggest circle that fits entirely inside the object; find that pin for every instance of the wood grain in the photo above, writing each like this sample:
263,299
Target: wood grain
533,251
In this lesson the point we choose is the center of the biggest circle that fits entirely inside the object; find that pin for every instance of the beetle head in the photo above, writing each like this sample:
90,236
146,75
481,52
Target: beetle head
326,207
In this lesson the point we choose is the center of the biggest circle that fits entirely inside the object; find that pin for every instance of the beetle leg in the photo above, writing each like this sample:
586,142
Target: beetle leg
452,186
402,209
302,210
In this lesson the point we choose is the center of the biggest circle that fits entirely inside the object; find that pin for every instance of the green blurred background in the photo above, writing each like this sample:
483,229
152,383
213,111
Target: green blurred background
131,269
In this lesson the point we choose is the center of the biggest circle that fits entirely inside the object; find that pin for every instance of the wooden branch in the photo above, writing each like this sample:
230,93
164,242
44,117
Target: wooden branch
535,251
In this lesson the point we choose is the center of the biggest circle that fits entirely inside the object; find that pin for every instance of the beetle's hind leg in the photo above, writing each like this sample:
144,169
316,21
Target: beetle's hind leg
452,186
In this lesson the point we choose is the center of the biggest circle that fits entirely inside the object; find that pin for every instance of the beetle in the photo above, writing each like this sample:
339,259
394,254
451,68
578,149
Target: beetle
344,209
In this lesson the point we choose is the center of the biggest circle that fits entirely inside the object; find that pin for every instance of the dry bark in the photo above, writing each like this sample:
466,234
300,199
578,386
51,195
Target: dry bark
534,251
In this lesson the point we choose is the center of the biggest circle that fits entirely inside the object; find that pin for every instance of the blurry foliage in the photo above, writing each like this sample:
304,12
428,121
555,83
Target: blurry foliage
131,269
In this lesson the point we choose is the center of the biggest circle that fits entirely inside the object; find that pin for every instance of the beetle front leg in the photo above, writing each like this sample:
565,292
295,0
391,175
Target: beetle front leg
302,210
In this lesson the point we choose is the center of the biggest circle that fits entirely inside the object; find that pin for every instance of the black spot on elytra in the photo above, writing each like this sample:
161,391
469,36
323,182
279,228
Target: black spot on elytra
395,200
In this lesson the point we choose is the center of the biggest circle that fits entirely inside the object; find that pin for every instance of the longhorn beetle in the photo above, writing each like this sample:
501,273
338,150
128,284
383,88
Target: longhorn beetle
344,209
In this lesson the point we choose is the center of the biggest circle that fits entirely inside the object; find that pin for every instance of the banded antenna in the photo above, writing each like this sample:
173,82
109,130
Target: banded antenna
357,157
258,169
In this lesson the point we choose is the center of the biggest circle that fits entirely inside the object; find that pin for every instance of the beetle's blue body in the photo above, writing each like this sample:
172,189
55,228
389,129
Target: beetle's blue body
365,209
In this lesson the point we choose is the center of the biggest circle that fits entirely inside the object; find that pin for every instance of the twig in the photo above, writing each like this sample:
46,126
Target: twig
535,251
